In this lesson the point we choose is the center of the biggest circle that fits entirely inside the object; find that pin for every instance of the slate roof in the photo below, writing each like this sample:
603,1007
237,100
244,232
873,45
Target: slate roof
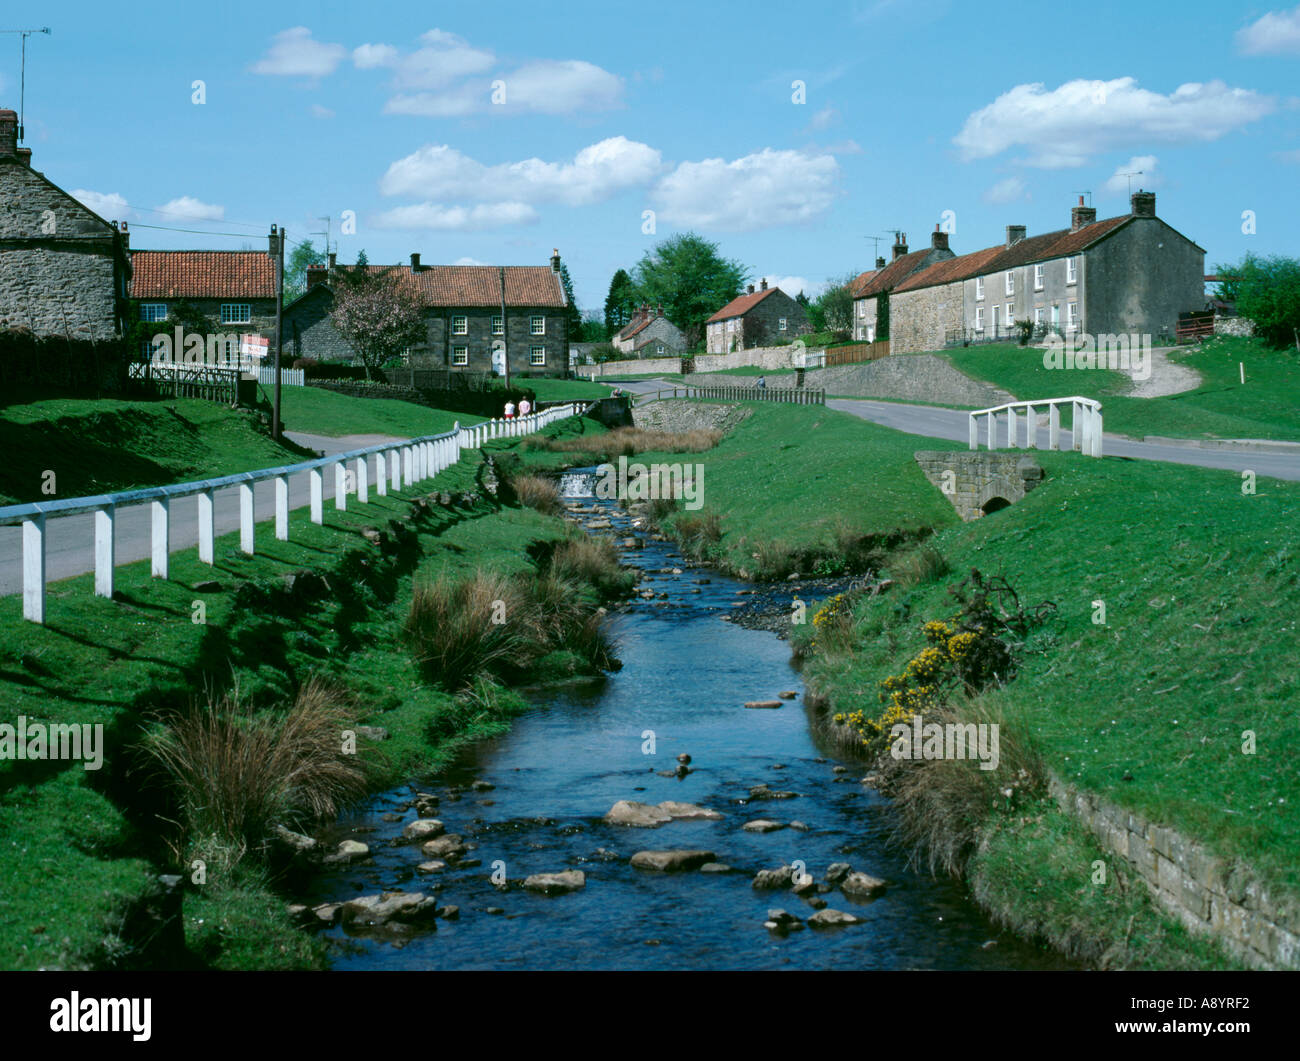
740,305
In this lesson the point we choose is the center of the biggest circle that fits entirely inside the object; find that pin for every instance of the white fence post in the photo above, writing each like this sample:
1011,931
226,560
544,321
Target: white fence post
1031,427
207,527
104,550
340,486
1011,427
160,510
282,508
246,518
394,470
1076,426
317,478
34,568
363,480
381,473
1053,426
973,428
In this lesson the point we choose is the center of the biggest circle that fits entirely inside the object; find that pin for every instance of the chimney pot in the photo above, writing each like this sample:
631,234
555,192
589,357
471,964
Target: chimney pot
764,284
900,245
938,239
880,263
1082,215
555,259
750,291
415,263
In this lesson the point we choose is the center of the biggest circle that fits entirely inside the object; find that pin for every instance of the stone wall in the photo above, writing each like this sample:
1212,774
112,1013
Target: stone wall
973,479
1240,327
1209,895
765,357
921,320
639,367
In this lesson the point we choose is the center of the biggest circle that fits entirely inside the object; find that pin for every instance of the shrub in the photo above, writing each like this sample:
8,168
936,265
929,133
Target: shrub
593,562
461,629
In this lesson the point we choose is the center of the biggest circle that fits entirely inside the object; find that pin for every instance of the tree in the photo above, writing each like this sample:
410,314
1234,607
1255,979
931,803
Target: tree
834,306
593,329
620,303
295,269
1267,291
690,279
572,314
377,316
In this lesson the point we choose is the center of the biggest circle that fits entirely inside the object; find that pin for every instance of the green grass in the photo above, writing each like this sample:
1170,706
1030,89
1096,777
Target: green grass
563,390
1020,370
78,844
322,412
106,445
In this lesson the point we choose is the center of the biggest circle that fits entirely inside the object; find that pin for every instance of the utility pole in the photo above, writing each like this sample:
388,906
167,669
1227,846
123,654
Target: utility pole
22,90
277,244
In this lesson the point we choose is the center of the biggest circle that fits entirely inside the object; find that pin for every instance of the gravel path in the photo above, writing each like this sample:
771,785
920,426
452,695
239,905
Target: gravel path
1167,377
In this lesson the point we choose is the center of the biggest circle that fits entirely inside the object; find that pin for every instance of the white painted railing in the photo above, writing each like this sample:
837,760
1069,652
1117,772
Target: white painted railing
395,465
289,377
1086,424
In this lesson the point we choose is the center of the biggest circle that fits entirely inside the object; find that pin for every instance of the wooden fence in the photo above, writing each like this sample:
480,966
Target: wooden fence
857,353
212,383
791,395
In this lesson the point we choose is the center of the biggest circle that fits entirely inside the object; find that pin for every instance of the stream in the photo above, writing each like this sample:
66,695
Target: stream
543,788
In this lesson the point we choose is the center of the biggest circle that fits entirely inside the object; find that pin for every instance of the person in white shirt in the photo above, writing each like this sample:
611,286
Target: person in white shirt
510,410
525,407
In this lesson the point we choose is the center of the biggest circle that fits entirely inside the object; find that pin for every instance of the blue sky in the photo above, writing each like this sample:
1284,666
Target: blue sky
1000,115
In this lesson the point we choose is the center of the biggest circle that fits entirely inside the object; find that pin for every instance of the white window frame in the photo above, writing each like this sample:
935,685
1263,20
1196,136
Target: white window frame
659,349
1011,283
993,317
1072,315
537,355
229,315
498,324
979,318
1038,278
1011,315
460,355
1072,270
1039,317
153,312
780,324
979,288
537,324
459,324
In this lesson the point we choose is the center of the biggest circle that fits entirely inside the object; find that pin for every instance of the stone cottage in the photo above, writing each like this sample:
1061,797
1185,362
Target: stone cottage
650,334
1130,274
64,270
475,315
871,315
766,317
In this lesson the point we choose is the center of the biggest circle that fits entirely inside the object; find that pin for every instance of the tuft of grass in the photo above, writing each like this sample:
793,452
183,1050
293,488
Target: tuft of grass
237,772
920,567
628,441
593,562
538,493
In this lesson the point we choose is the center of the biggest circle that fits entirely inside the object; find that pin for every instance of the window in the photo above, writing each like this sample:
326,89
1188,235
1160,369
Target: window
659,349
537,325
460,355
979,287
498,324
780,324
459,325
1038,278
236,313
979,318
1071,270
1011,282
537,355
1011,314
153,311
1072,314
1038,315
862,308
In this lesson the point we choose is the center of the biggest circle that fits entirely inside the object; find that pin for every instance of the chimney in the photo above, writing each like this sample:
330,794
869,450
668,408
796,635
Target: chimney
316,274
8,134
126,236
415,263
751,290
333,260
939,241
272,242
555,259
25,156
763,284
1015,233
900,245
880,263
1144,203
1082,215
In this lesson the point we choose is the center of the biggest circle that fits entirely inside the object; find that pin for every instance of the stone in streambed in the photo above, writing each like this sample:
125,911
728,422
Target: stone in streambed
861,886
766,704
349,851
832,919
569,880
423,829
762,825
671,861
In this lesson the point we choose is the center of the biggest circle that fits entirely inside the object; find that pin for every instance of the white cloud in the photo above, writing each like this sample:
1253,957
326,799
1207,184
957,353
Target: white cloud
1067,125
596,173
369,56
791,285
541,87
1005,191
190,209
1277,33
824,118
444,58
295,54
109,205
457,218
758,191
317,111
469,261
844,147
1144,171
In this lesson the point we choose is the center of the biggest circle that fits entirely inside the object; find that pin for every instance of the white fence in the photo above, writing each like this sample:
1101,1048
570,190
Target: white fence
1086,424
289,377
395,465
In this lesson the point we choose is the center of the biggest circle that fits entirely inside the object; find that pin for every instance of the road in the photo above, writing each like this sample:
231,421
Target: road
953,424
70,540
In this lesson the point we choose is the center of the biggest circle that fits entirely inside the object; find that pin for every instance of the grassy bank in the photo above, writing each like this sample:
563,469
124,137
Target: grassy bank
84,844
322,412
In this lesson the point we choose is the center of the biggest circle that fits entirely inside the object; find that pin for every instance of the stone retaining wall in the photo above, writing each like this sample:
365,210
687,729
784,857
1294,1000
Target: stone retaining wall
1209,895
639,367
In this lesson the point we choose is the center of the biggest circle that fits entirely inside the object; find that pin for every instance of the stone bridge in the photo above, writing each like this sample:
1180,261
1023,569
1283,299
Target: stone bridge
980,482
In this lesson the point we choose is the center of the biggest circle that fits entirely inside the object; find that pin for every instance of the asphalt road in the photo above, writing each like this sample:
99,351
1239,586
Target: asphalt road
953,424
70,540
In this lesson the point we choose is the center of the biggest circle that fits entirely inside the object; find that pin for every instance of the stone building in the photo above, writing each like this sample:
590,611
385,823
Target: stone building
64,270
766,317
650,334
475,315
1130,274
871,316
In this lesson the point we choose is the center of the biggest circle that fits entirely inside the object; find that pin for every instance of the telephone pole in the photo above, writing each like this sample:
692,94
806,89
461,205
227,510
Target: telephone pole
277,246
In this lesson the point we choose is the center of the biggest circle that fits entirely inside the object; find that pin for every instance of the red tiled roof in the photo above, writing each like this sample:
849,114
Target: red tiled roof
740,305
202,274
479,285
998,258
892,274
